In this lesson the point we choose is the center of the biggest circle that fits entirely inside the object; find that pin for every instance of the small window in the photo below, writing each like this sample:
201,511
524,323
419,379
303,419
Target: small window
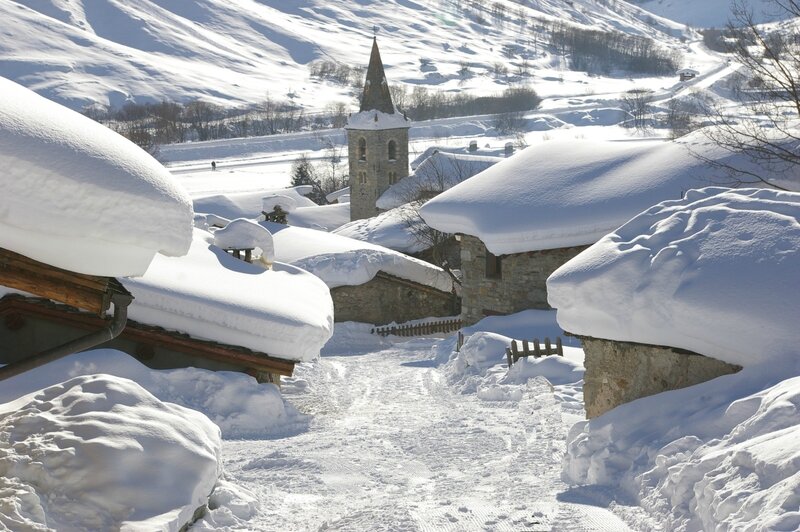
362,178
494,266
392,150
362,149
392,178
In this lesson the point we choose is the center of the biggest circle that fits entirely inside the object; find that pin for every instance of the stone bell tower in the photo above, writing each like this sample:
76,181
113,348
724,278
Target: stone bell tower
377,140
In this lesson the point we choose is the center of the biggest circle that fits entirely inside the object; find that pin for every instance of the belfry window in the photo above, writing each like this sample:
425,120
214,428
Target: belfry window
392,150
362,149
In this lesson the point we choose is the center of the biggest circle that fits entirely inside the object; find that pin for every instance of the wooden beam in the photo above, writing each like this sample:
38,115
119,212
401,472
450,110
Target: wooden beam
82,291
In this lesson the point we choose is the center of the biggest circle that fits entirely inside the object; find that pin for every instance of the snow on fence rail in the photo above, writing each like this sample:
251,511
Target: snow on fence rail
513,353
419,329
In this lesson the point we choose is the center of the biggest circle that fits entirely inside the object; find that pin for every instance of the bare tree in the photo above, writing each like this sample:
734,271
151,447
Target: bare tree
636,102
764,128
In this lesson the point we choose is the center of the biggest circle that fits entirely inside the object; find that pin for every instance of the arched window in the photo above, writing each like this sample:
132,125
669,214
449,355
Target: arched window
362,149
392,150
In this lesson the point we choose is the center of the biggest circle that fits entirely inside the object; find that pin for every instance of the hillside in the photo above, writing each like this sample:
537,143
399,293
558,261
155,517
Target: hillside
705,14
80,52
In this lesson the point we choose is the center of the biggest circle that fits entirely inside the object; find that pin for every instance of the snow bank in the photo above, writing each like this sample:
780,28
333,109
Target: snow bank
570,193
246,234
206,221
100,453
721,253
395,229
284,312
375,120
81,197
336,195
235,402
721,455
342,261
441,171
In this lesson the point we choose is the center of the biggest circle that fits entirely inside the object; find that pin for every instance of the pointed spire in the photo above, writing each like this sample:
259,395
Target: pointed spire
376,96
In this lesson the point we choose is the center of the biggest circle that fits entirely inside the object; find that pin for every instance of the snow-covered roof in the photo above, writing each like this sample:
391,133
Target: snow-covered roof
79,196
336,194
440,171
248,204
342,261
572,192
394,229
377,120
284,312
689,71
322,217
708,273
242,233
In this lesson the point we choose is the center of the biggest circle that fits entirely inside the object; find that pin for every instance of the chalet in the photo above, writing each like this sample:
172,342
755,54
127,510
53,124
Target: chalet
524,217
124,241
658,305
685,74
368,283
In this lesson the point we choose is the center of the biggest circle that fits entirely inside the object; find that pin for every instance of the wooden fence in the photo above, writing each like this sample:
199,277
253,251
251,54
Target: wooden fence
419,329
513,353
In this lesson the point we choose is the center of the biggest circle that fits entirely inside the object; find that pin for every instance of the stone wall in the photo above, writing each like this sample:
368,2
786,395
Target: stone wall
386,298
521,285
619,372
376,165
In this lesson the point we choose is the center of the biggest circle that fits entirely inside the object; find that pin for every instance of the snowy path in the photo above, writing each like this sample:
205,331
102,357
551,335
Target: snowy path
393,447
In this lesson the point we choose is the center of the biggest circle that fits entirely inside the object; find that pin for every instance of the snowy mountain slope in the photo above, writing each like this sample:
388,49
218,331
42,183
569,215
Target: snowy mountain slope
705,14
236,52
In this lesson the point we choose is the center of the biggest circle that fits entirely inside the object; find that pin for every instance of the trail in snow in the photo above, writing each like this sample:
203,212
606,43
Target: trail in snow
393,447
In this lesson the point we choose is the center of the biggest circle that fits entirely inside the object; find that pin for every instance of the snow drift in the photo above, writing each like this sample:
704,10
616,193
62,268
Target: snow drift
99,453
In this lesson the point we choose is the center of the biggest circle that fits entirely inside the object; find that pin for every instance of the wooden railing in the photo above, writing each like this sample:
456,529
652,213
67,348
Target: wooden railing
419,329
533,349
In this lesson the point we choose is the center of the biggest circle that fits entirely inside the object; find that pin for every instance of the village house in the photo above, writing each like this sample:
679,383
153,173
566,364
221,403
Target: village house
685,74
521,219
657,304
368,283
110,249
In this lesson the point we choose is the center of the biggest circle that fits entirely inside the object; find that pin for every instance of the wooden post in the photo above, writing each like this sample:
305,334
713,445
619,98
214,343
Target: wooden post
559,347
514,350
248,255
526,349
547,347
508,356
537,352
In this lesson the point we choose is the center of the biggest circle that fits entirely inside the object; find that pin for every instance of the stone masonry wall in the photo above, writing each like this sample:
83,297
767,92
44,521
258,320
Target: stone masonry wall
377,166
385,299
619,372
522,284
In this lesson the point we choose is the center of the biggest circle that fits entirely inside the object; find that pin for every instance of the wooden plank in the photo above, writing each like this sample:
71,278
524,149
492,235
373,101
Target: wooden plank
76,296
559,347
537,350
508,356
11,260
548,350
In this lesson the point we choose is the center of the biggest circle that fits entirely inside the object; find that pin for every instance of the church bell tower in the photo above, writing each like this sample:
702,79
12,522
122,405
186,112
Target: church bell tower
377,141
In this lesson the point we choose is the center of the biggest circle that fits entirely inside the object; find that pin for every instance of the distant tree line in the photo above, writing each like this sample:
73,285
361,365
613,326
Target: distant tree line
606,51
153,124
423,104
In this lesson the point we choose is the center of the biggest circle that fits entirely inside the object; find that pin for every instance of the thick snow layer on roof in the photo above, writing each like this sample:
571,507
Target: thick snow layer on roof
239,405
375,120
337,194
342,261
284,312
438,172
101,453
270,201
246,204
569,193
396,229
246,234
708,273
79,196
322,217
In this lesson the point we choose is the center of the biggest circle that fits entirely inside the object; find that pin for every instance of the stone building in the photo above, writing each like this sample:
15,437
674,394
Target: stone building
377,140
505,284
